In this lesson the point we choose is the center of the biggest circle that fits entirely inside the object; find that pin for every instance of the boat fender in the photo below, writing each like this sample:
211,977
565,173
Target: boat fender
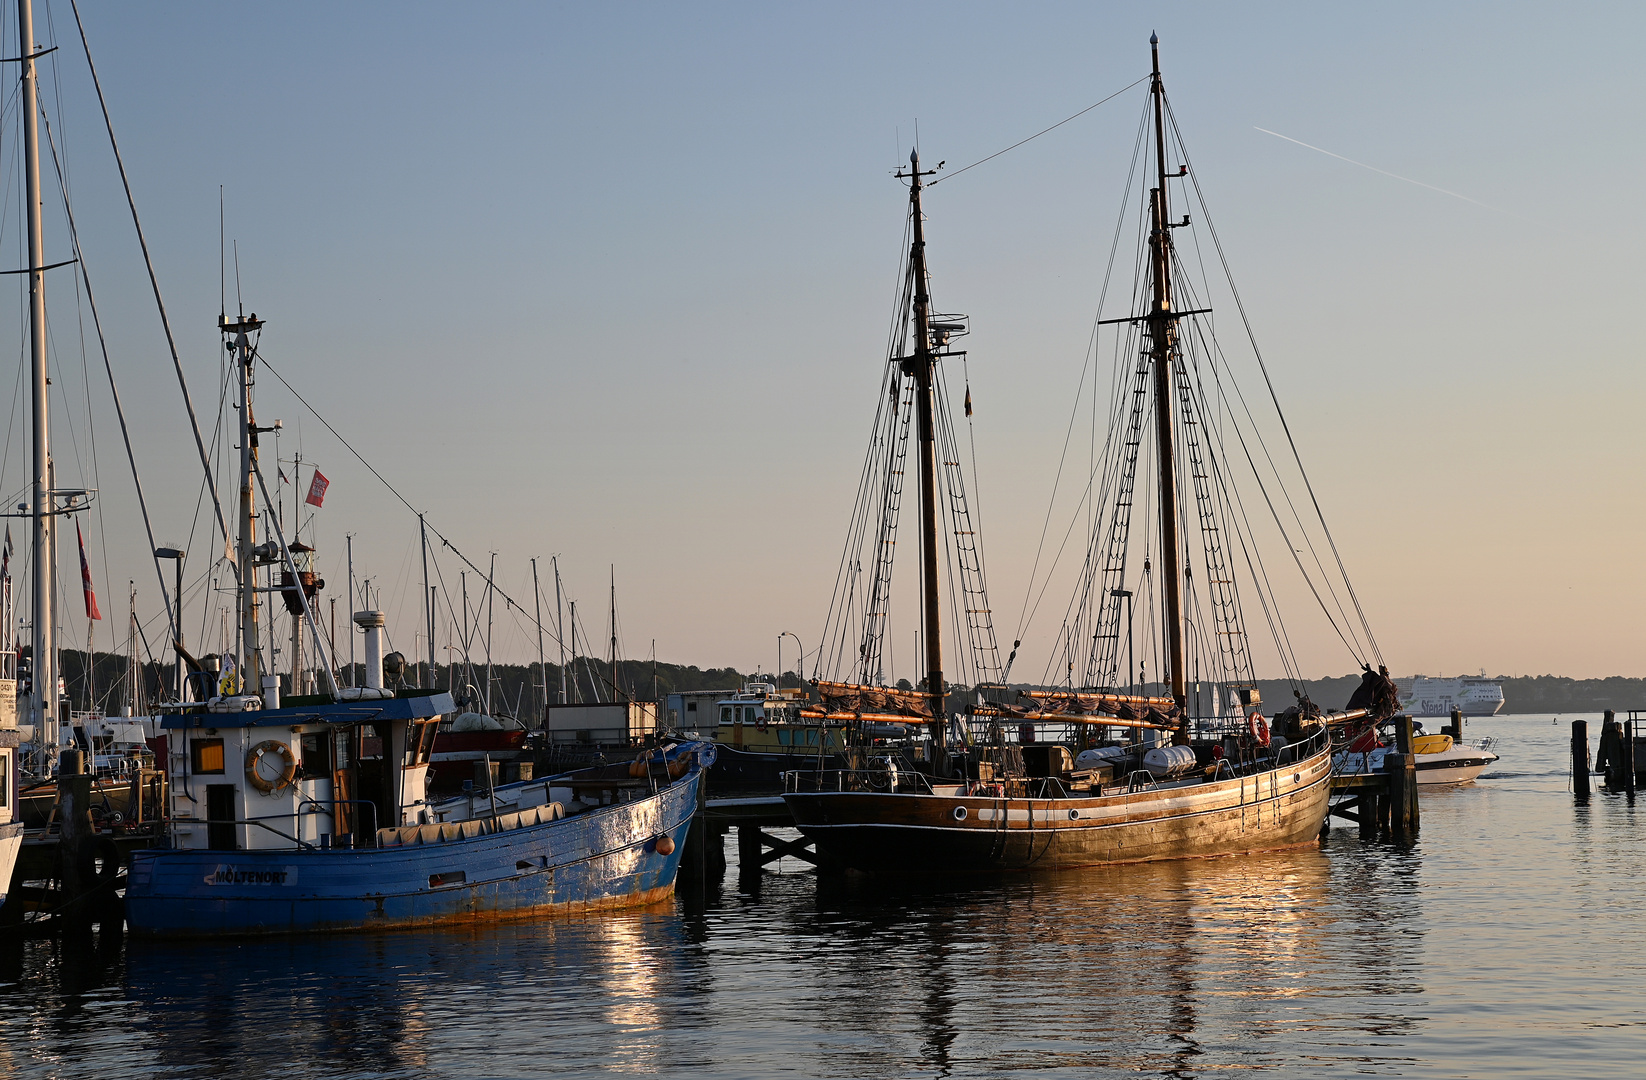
665,844
288,766
1258,729
99,861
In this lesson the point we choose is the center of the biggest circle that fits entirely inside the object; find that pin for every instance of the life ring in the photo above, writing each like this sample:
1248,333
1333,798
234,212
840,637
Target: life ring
288,766
761,723
1258,729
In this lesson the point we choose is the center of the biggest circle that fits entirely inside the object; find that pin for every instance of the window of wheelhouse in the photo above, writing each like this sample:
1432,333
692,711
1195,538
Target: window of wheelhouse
5,784
726,714
420,745
206,756
315,762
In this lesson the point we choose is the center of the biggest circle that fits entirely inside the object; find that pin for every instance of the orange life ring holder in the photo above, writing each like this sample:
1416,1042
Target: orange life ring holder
761,723
1258,729
287,761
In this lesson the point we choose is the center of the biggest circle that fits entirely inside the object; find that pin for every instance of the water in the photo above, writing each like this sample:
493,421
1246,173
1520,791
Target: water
1509,941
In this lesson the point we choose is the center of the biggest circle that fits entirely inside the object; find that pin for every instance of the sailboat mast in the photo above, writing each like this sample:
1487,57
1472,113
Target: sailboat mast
45,562
560,627
920,365
1162,329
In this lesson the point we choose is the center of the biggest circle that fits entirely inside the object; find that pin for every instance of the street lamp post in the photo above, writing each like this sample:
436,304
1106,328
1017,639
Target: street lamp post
799,662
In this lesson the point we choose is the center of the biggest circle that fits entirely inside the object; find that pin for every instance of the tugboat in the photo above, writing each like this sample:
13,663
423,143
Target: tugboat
312,813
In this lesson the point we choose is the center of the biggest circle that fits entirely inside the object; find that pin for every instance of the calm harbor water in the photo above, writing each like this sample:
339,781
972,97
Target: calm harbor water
1509,941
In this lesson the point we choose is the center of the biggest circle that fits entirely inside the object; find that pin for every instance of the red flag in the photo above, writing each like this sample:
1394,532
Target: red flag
317,489
85,578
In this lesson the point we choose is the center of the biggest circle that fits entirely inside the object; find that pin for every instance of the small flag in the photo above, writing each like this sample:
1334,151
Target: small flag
317,489
968,401
282,472
85,578
5,561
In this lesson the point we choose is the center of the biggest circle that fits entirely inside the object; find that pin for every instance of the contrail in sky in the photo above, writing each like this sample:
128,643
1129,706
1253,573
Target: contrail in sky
1385,172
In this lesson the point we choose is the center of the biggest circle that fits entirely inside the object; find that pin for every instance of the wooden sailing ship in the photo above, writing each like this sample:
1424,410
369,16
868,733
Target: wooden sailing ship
1144,779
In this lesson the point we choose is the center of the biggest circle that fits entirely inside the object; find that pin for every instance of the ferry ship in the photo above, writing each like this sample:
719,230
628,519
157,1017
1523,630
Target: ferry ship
1423,695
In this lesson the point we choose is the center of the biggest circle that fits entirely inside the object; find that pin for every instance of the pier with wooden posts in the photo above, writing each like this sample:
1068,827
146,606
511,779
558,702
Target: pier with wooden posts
1384,802
1619,758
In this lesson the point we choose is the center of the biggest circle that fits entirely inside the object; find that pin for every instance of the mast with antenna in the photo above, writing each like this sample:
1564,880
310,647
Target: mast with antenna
920,366
43,698
1162,343
559,626
613,661
542,665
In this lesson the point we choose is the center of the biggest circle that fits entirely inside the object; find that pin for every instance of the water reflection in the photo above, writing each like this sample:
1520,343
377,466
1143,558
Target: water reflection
1355,958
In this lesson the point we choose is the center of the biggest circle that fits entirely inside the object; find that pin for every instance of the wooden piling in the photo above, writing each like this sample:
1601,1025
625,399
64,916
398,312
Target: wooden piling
74,832
1367,808
1627,755
1606,759
1456,730
1580,760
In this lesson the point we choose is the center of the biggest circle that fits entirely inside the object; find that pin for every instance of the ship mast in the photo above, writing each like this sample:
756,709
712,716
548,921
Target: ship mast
44,704
920,365
240,349
1162,335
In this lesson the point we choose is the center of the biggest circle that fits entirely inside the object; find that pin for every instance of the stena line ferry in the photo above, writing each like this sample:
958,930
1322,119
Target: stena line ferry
1422,695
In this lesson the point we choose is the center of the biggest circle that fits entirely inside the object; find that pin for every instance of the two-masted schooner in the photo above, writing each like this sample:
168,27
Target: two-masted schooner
1149,776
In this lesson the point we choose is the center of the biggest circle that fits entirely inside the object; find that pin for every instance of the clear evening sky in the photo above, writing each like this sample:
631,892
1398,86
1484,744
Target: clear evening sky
612,281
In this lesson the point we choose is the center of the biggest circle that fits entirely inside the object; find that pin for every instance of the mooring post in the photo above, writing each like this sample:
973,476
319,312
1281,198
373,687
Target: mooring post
1628,756
748,849
1401,790
1606,756
73,830
1580,760
1456,731
1366,806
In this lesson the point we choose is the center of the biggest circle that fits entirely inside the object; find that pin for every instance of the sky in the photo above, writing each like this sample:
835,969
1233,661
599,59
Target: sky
611,283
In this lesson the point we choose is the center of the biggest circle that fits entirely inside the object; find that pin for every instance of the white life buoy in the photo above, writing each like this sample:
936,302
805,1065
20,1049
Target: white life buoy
287,762
1258,729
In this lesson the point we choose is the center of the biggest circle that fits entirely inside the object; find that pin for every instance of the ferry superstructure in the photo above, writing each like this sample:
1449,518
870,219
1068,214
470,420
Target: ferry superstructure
1423,695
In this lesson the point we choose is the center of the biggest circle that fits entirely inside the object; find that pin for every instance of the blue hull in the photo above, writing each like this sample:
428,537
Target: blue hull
604,858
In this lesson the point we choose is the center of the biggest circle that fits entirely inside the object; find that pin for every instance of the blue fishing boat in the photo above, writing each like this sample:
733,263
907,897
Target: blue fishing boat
313,813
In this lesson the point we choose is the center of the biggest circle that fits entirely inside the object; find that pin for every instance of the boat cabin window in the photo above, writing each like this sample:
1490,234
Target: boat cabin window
748,714
207,756
316,756
421,743
782,736
726,712
5,783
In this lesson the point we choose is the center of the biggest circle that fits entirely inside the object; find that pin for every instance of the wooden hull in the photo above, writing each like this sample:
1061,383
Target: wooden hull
942,834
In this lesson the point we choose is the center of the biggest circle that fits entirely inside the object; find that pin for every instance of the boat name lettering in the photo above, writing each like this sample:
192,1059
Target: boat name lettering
244,875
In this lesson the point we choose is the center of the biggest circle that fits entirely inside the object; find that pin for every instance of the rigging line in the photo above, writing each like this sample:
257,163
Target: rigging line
1262,366
154,282
1355,648
114,389
392,489
1037,134
1024,615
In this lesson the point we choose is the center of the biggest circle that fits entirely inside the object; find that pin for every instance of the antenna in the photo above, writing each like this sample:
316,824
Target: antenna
238,299
222,272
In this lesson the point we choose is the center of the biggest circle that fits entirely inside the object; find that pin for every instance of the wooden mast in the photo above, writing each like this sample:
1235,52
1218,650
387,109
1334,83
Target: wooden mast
1162,331
920,365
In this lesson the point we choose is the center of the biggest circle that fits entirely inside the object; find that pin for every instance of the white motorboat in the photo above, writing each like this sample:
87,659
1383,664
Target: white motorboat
1440,758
